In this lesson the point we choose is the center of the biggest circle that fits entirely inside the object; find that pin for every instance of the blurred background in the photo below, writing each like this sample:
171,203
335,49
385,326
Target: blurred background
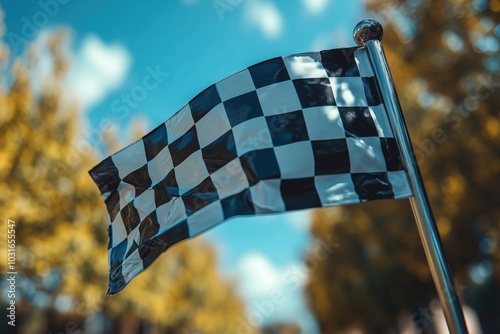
81,79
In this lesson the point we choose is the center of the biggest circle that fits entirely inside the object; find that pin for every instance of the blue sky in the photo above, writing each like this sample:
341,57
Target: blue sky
191,44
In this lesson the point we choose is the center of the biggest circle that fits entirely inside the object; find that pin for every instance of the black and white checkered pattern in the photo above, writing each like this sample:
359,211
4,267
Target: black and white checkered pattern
303,131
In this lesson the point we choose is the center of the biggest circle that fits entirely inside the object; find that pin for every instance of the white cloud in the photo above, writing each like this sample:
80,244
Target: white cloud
98,69
315,6
299,220
258,276
273,294
265,16
95,69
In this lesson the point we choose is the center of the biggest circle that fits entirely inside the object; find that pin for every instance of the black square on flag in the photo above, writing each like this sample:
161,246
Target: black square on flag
200,196
314,92
139,179
287,128
358,122
299,193
220,152
238,204
149,227
184,146
392,156
340,62
331,157
130,217
166,189
155,141
260,165
269,72
371,91
204,102
243,108
370,186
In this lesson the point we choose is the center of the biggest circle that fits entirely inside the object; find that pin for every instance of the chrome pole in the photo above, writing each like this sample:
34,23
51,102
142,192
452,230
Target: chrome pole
369,33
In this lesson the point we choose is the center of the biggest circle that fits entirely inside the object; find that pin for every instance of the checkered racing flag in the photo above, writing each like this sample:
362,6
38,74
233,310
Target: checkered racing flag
304,131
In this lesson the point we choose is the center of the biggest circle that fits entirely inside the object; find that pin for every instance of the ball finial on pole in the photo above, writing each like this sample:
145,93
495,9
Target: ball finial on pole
367,30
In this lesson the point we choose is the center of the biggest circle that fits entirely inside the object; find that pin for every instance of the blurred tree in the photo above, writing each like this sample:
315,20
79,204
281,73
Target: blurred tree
45,190
182,293
61,224
444,57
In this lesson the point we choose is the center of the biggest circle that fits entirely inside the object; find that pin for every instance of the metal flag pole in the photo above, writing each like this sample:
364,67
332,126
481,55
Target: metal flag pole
369,33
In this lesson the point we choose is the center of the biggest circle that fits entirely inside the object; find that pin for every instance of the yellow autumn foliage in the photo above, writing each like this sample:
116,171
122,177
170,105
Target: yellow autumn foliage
61,224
